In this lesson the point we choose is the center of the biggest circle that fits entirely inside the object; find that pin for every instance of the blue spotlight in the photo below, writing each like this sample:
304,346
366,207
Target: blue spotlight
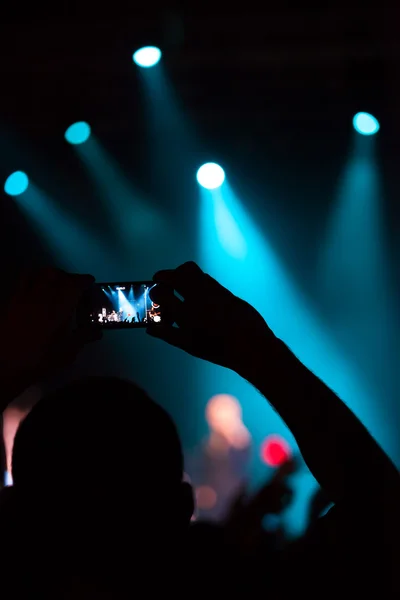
365,124
16,184
147,57
210,176
78,133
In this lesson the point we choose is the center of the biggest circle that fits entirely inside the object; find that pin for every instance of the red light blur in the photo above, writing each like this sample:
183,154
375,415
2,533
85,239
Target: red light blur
275,451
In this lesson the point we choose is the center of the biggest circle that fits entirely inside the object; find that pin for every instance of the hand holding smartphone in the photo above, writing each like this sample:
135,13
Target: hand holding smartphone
125,305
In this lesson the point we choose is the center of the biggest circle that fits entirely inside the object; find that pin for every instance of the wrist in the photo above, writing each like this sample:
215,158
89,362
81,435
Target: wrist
260,357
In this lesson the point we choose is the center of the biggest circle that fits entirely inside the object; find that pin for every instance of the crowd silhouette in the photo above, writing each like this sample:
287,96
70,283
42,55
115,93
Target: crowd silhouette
109,516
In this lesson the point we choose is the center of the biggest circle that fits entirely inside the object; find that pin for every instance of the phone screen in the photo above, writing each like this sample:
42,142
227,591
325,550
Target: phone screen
119,306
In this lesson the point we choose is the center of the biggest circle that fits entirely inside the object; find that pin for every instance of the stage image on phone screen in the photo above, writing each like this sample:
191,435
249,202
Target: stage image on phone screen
121,305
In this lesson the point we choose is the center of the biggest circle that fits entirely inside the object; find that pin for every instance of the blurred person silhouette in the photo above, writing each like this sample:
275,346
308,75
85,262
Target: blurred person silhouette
219,466
355,547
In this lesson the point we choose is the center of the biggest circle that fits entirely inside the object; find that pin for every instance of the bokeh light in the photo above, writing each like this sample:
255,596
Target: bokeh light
275,451
147,57
16,184
365,124
78,133
210,176
224,418
223,411
206,497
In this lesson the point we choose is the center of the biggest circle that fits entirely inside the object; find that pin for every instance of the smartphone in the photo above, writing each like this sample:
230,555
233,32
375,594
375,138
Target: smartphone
124,305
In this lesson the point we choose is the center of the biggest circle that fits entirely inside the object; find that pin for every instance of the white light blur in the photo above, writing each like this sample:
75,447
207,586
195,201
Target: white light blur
224,417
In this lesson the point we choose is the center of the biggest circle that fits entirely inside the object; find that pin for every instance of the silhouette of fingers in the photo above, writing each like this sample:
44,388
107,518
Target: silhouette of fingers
25,281
173,309
186,279
72,286
63,290
172,335
161,294
50,282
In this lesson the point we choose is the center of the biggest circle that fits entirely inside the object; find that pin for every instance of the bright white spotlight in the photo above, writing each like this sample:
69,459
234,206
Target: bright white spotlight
365,123
211,176
147,57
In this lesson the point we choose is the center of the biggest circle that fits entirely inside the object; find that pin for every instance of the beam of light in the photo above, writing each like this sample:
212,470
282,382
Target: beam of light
173,140
210,176
147,57
250,268
74,247
16,184
365,124
227,229
124,305
78,133
355,281
132,301
110,295
131,296
133,217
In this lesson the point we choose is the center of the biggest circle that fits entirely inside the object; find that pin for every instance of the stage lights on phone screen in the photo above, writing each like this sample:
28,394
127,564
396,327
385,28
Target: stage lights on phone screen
120,305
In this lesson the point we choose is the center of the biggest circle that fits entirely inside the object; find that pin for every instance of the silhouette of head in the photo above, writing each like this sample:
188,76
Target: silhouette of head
103,465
